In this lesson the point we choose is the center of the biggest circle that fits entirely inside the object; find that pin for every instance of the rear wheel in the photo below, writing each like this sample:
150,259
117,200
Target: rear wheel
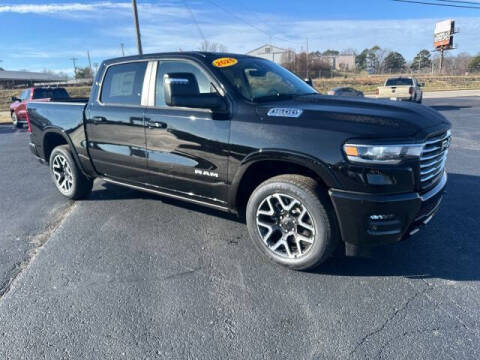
291,221
68,178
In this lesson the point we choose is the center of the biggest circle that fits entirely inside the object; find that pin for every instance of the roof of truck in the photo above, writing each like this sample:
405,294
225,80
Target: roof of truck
192,54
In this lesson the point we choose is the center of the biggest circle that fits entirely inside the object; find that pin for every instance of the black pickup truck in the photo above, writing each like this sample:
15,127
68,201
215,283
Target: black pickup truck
244,135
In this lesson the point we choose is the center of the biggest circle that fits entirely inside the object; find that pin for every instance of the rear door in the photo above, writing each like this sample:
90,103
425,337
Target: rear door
187,149
115,126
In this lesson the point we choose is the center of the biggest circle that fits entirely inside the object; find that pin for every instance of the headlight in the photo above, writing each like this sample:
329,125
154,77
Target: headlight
381,154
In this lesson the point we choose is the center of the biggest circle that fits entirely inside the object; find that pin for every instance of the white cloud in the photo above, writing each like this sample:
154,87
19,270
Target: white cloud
168,26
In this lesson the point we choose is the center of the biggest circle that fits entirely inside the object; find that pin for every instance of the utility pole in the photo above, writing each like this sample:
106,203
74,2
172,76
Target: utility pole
137,27
90,62
74,59
306,59
441,60
123,49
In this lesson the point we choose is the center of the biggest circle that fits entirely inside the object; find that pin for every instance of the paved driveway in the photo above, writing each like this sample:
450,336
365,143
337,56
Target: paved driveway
129,275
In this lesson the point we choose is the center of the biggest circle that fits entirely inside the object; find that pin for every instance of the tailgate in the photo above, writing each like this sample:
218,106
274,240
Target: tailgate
395,91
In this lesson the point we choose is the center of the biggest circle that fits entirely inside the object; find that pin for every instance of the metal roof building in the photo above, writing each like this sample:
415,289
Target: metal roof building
13,78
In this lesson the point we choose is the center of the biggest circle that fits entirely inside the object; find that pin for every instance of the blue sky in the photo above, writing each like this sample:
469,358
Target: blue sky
37,35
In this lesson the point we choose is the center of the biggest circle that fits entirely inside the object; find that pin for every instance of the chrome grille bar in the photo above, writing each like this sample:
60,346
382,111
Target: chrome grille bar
433,159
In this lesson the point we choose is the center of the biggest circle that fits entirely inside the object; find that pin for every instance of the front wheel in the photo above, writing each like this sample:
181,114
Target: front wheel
68,178
291,221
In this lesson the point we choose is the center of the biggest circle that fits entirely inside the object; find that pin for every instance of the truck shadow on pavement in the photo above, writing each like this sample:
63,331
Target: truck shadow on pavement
110,191
449,107
447,248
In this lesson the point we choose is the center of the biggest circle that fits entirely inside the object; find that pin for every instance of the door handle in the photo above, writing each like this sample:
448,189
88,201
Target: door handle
152,124
99,119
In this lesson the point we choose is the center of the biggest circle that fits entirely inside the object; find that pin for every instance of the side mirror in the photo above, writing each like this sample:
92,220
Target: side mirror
15,99
181,89
422,84
309,81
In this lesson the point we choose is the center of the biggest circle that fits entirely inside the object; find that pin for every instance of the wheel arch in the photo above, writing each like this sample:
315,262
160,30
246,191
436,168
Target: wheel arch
262,165
54,137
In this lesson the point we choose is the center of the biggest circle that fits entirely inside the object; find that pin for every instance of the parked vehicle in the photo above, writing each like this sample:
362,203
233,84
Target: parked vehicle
18,108
401,88
244,135
345,91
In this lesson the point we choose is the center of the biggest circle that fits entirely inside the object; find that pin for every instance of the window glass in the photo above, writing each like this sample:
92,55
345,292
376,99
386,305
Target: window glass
25,95
166,67
123,84
260,80
399,82
53,93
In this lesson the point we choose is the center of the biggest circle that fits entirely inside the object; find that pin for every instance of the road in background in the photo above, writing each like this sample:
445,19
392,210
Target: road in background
129,275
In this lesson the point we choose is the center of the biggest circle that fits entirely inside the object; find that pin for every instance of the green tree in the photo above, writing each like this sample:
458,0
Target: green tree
474,65
361,60
394,62
422,60
330,52
83,73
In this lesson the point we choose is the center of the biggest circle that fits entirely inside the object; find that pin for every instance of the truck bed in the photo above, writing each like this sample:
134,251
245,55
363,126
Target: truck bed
64,117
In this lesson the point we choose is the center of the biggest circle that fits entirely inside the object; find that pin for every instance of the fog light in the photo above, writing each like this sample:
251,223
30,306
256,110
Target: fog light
382,217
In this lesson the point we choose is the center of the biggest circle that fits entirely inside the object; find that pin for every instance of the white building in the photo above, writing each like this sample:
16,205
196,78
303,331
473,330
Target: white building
339,62
273,53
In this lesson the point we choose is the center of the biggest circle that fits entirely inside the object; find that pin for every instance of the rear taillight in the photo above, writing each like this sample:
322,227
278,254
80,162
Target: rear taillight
377,92
28,122
410,90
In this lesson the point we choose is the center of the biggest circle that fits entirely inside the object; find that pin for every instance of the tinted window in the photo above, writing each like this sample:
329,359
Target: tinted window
399,82
261,80
123,84
165,67
55,93
25,94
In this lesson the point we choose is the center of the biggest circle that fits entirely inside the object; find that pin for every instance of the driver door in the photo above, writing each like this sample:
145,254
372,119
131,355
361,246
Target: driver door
187,149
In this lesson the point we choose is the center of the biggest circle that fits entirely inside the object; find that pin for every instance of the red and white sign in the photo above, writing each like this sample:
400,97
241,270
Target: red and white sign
443,36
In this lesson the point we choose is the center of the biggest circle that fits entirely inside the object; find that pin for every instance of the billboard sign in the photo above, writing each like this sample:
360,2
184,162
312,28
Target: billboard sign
443,36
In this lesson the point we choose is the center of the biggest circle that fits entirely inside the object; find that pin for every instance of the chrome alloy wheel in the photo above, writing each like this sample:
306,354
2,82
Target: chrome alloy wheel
14,119
285,226
63,174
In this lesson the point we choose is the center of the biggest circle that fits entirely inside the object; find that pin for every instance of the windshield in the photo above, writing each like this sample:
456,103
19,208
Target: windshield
399,81
55,93
261,80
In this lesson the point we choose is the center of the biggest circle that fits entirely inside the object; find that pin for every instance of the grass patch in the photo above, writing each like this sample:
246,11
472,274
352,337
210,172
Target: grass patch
368,84
5,117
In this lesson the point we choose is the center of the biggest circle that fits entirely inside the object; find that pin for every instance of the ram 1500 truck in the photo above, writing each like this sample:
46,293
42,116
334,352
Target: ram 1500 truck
244,135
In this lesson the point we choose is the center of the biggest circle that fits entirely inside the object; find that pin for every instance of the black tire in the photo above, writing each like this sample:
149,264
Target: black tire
320,215
61,161
419,101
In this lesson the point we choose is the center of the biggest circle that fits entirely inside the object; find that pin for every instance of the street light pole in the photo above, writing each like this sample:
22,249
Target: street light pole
137,27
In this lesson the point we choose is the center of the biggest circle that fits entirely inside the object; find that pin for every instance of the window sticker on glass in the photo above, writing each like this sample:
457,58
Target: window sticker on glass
224,62
122,84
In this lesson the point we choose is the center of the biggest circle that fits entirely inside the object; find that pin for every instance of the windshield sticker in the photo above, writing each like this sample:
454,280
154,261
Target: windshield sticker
224,62
285,112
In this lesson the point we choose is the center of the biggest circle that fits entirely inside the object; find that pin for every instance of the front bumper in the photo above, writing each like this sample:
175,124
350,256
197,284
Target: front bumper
369,219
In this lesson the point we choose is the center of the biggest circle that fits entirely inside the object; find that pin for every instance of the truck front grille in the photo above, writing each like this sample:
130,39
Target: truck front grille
433,158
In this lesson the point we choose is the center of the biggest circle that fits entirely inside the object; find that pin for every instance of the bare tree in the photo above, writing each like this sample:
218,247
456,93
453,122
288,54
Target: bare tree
211,46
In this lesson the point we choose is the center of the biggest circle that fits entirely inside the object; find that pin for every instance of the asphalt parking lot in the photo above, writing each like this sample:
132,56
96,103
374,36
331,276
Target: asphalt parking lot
130,275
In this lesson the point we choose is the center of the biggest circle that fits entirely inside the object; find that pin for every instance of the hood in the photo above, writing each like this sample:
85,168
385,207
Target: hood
363,117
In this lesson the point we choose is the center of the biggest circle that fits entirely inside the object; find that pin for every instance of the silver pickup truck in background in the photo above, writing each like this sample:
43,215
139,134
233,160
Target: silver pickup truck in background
402,89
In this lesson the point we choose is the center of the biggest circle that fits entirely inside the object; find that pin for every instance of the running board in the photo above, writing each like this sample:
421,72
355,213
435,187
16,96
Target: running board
179,197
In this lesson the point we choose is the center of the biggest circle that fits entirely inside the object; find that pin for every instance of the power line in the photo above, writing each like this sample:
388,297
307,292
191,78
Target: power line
195,20
435,4
248,23
459,2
